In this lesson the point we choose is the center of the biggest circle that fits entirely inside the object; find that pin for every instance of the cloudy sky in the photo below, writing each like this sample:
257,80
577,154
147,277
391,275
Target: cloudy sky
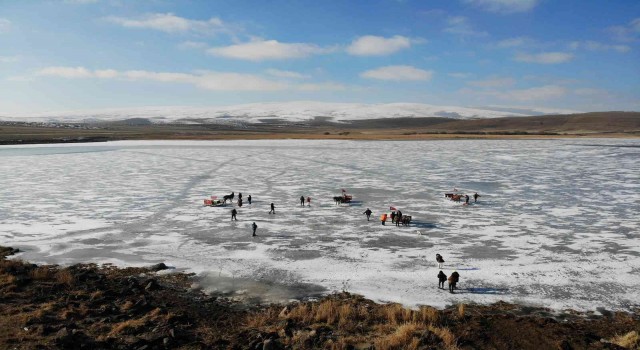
90,54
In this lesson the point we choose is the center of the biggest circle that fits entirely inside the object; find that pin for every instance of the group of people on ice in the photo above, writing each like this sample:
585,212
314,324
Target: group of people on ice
442,277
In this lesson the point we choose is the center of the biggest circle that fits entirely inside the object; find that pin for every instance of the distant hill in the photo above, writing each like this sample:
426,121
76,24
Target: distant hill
299,111
567,123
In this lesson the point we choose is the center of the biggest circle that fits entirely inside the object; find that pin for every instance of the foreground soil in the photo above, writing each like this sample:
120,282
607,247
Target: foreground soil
91,307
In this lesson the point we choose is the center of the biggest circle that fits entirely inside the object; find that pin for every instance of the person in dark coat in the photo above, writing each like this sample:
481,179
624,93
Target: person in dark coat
239,202
273,209
440,260
302,201
393,216
441,279
475,197
453,280
240,195
249,199
466,199
368,213
254,227
234,212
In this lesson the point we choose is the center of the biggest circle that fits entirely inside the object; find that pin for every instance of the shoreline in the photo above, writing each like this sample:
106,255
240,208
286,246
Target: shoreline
106,307
349,137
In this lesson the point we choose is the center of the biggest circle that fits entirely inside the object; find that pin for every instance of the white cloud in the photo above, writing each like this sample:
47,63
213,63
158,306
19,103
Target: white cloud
493,82
66,72
459,75
512,42
398,73
597,46
286,74
328,86
541,93
193,45
9,59
504,6
459,25
626,33
544,58
170,23
5,25
370,45
260,50
208,80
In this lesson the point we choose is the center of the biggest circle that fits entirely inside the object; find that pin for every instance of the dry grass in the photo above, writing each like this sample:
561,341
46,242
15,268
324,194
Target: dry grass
42,273
65,277
406,336
448,338
127,326
461,309
630,340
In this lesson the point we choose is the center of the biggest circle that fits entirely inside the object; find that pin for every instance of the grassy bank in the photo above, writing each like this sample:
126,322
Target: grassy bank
104,307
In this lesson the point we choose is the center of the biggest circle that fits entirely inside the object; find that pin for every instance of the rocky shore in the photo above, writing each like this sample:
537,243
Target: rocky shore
103,307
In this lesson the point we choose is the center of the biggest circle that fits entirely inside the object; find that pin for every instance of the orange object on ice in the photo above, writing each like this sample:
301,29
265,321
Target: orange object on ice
383,217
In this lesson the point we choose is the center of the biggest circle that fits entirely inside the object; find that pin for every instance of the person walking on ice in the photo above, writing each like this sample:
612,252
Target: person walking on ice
249,199
234,212
308,201
302,201
383,218
273,209
441,279
440,260
368,213
466,199
475,197
254,227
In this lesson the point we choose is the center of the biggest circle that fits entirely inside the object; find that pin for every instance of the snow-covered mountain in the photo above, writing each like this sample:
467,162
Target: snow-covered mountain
289,111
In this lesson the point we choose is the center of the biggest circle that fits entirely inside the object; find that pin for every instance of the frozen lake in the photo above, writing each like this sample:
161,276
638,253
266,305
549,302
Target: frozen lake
556,224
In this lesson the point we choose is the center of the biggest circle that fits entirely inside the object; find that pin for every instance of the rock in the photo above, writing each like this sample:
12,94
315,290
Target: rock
166,342
158,267
271,344
62,333
151,286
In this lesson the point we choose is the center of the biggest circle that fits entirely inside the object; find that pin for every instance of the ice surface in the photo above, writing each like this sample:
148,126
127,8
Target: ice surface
556,224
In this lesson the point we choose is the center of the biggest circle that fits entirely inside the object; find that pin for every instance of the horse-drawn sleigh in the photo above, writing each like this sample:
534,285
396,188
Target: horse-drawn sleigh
344,198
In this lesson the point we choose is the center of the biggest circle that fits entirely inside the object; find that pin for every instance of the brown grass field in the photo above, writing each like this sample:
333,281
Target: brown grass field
604,124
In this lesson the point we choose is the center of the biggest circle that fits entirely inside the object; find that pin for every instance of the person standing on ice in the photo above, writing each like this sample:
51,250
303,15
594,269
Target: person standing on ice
254,227
239,202
383,218
308,201
475,197
249,199
466,199
441,279
440,260
393,216
453,280
273,209
302,201
234,212
240,195
367,213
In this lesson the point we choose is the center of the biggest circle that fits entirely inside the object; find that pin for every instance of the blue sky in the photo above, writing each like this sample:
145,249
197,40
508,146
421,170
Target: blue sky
90,54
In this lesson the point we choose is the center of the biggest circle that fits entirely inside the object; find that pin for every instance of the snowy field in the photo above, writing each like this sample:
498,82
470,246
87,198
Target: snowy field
556,224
